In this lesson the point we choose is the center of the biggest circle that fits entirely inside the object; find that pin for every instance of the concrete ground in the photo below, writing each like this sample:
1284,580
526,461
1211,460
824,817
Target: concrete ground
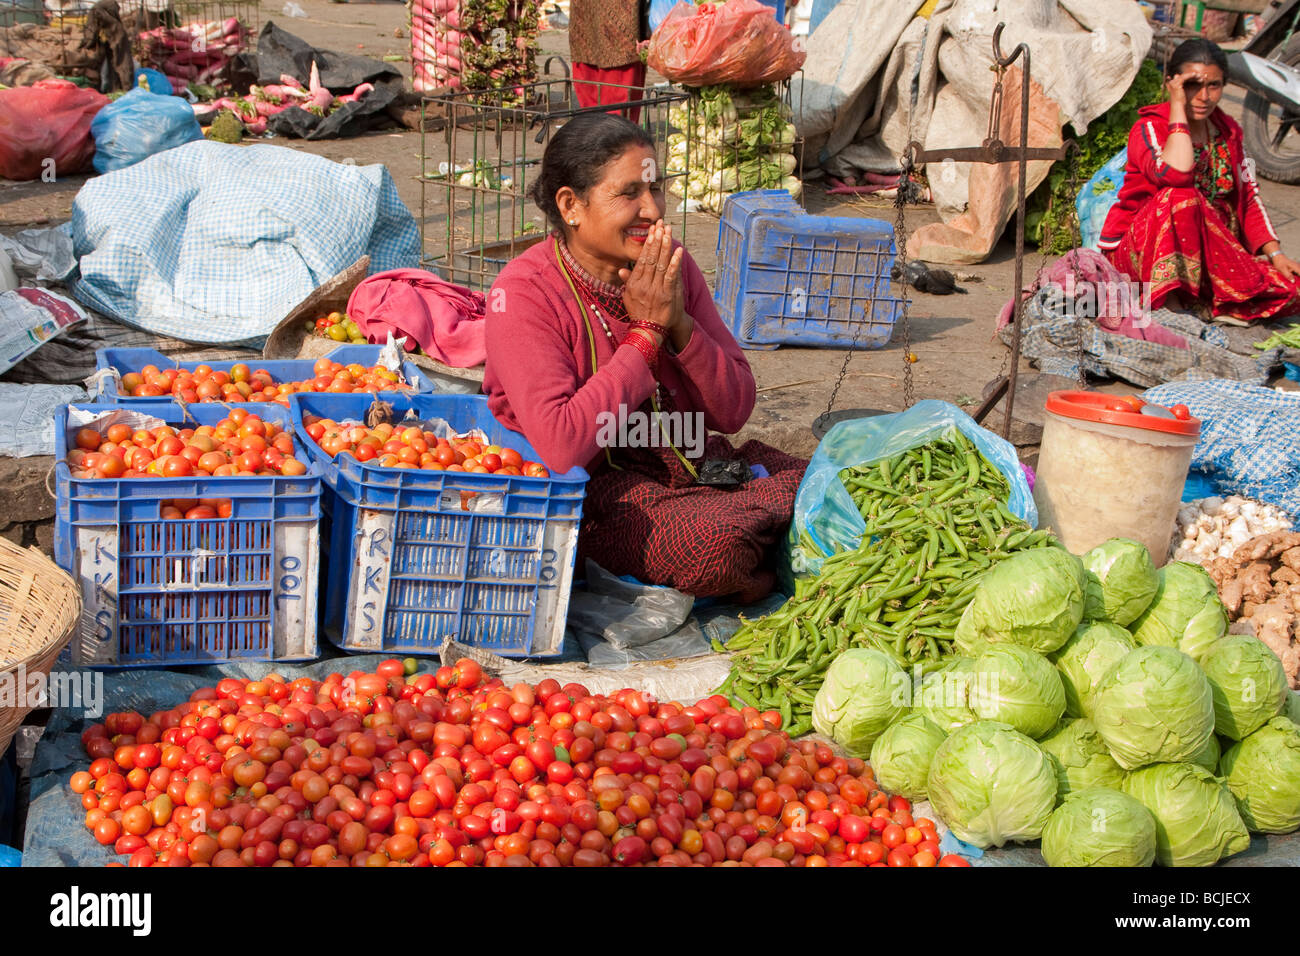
951,336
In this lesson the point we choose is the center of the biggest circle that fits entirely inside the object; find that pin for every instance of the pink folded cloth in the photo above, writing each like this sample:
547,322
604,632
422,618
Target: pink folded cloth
1116,301
445,320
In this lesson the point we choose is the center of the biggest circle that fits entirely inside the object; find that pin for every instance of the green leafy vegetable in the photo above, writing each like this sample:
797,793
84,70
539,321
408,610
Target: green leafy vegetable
1122,581
991,784
863,693
1017,687
1080,757
1197,823
1034,599
1154,706
1085,658
1100,827
1248,683
1263,773
901,756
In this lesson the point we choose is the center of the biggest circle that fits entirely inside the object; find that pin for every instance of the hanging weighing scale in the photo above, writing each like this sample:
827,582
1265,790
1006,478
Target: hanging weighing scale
991,151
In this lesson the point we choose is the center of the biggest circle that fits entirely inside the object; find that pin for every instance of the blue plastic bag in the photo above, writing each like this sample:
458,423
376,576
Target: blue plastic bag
138,125
153,82
658,10
1097,196
823,507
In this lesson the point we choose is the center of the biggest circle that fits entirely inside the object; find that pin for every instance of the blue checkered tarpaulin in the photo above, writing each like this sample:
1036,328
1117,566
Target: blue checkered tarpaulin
1250,437
216,244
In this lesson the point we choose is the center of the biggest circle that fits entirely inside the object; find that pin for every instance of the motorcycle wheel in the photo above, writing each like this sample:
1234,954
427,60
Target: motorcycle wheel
1272,134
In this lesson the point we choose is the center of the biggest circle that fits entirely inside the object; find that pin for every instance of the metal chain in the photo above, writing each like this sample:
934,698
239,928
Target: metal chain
900,246
1077,236
900,229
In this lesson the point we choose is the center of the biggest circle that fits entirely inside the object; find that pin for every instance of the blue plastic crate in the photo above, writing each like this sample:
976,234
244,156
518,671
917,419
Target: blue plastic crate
282,370
788,278
161,593
409,567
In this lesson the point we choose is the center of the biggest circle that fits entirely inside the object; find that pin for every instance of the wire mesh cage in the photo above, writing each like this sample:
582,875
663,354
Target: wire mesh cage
475,212
191,41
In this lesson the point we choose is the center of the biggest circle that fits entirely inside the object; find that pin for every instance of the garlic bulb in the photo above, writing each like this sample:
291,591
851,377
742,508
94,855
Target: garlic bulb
1215,527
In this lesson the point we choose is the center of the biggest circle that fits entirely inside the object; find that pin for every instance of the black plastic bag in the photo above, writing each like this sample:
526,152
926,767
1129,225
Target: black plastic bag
280,52
350,119
721,473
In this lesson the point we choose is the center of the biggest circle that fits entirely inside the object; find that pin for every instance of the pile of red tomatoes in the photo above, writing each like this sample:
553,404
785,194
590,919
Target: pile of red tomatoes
451,769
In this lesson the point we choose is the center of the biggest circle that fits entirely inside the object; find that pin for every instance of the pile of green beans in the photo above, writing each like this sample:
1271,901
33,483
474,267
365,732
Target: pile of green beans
936,518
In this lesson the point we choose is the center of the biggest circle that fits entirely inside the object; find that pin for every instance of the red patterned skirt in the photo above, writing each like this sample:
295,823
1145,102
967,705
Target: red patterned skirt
648,521
1180,243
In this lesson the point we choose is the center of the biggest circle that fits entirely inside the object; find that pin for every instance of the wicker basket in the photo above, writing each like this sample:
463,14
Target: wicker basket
39,609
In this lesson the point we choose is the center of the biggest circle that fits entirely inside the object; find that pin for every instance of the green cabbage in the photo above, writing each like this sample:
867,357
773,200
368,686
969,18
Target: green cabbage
1197,823
1100,827
1084,660
1263,773
944,695
1017,687
1154,706
990,784
1293,707
1080,757
1122,581
862,694
901,756
1209,755
1033,598
1186,613
1248,684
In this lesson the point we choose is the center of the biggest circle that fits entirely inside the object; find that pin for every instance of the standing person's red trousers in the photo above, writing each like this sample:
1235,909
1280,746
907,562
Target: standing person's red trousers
622,84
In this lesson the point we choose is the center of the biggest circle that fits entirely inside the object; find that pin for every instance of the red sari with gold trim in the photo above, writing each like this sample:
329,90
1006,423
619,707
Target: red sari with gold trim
1190,234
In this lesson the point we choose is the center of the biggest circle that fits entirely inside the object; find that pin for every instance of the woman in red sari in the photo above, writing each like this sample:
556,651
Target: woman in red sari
1188,219
611,321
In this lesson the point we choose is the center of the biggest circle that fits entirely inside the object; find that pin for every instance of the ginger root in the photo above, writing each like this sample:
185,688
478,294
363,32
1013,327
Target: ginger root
1260,588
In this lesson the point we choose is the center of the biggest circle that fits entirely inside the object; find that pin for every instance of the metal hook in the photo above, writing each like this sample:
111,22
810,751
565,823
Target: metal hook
1006,61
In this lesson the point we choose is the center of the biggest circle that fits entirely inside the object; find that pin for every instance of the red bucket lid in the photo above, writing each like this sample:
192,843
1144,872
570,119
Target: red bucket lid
1123,410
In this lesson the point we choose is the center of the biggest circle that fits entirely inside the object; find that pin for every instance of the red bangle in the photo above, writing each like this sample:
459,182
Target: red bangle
1180,128
648,326
643,345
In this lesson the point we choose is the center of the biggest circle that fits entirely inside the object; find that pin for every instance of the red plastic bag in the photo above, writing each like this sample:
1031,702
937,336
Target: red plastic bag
46,126
738,42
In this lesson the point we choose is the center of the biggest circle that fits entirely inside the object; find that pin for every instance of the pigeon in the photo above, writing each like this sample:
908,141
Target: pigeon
924,278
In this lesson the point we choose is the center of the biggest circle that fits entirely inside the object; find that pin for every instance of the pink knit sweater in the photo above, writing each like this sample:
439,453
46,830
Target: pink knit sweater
539,379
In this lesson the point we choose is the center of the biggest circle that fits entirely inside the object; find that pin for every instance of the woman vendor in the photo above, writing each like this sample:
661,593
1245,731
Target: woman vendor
603,37
609,316
1188,218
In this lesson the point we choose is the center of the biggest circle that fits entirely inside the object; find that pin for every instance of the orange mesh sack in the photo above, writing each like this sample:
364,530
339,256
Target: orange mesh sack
738,42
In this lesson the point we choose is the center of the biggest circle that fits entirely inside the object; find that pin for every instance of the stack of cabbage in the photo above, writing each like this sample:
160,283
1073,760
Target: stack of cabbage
729,142
1085,712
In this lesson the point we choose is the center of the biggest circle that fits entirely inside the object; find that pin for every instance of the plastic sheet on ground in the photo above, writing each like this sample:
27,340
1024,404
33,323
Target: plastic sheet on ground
675,679
42,254
215,243
27,417
1265,850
